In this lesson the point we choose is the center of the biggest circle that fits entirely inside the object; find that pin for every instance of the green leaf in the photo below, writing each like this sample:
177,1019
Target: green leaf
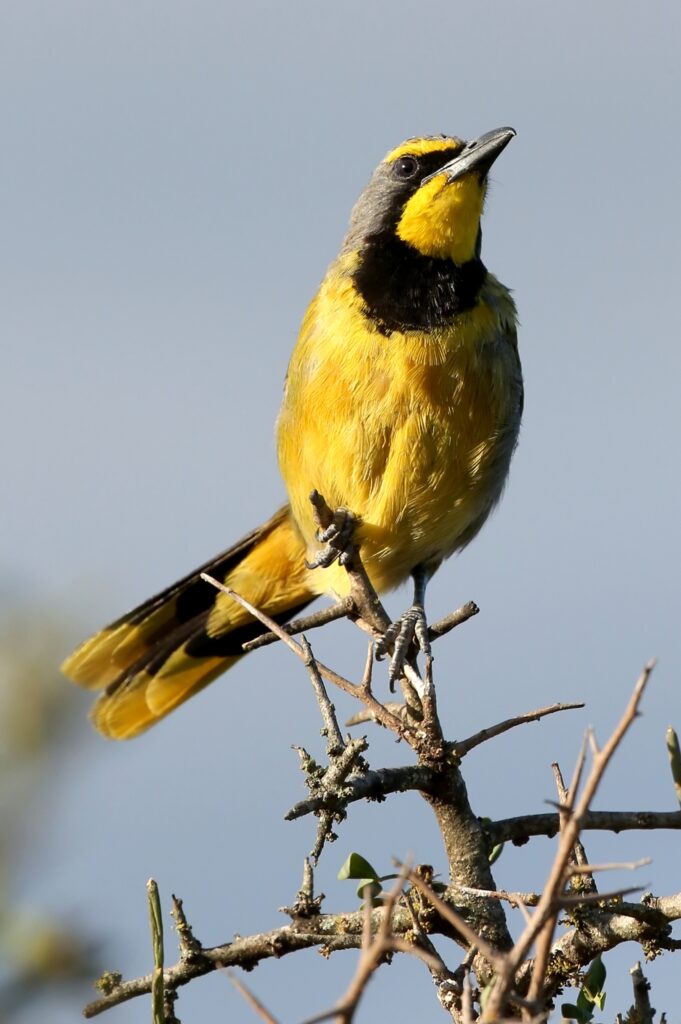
357,867
584,1003
572,1012
594,979
156,922
496,850
496,853
674,760
372,884
486,993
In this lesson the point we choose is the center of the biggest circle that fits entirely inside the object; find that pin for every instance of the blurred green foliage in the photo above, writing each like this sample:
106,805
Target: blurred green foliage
37,952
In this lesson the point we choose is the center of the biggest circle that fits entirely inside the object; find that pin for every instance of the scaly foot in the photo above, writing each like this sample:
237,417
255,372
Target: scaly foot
337,539
410,628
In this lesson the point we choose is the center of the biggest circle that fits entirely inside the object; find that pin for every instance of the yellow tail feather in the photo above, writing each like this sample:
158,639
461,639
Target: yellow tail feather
170,647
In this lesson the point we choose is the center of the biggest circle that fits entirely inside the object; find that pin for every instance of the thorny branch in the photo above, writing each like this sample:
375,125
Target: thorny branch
542,925
470,911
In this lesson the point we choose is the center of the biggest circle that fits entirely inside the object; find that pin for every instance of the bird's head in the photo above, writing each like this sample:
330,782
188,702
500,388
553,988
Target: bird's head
413,244
429,193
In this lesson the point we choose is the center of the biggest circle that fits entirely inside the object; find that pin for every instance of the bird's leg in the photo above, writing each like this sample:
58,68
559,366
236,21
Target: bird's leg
411,627
335,531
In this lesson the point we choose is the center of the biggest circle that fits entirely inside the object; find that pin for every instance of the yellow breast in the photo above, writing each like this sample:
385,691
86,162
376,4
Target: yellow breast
412,431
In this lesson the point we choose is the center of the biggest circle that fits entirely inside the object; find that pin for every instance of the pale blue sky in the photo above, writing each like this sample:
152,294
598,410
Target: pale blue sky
175,178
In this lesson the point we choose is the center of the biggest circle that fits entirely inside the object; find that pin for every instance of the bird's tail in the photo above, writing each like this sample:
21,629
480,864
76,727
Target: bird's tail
163,652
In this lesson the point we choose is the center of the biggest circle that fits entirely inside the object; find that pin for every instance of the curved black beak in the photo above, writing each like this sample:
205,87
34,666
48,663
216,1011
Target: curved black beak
478,155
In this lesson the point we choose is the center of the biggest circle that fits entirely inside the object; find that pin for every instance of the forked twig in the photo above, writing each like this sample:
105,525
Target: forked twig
383,716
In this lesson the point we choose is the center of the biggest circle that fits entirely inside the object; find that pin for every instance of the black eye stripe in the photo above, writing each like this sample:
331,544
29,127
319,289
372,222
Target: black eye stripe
428,163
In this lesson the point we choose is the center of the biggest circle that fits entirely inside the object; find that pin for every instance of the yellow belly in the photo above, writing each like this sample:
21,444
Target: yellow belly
412,431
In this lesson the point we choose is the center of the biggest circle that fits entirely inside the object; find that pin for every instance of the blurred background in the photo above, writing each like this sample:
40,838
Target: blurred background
175,178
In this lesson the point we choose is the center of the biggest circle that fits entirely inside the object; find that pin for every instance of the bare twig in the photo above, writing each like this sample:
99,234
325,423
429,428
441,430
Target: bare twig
584,899
438,968
312,621
518,830
452,620
306,905
189,944
578,857
307,887
467,1001
463,747
374,785
577,773
590,869
641,986
410,714
516,899
432,730
367,675
334,738
251,998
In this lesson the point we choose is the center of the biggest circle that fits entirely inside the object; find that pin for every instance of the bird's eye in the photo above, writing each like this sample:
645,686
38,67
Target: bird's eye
406,167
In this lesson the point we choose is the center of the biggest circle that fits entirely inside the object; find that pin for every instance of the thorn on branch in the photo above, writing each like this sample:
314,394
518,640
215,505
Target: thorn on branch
307,905
578,857
334,739
190,947
452,620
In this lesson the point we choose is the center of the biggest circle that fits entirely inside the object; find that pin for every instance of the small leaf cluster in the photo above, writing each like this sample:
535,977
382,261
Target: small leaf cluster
369,881
591,996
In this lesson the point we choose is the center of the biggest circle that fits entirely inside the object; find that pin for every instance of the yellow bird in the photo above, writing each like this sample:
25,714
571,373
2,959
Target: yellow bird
402,403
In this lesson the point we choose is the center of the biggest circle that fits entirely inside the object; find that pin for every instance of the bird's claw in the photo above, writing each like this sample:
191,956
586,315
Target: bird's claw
411,627
337,539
